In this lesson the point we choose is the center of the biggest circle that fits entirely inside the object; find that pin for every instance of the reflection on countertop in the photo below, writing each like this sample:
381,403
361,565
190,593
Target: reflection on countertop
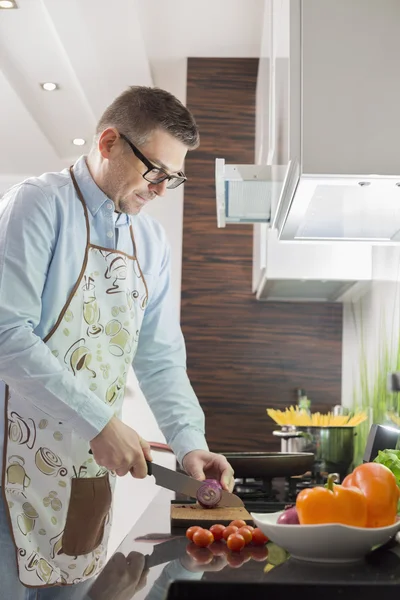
147,562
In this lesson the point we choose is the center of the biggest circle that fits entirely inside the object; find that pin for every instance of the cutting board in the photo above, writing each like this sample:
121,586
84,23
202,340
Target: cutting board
185,515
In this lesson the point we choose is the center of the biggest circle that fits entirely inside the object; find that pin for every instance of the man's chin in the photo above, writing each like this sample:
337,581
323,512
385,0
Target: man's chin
130,207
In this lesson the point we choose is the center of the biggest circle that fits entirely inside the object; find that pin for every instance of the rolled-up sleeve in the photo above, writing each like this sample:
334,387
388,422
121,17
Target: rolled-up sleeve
160,367
28,234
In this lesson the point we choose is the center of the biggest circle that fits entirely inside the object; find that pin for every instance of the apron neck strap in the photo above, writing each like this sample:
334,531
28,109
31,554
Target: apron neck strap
81,198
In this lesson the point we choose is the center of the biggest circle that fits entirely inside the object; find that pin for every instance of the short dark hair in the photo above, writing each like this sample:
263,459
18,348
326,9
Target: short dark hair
140,110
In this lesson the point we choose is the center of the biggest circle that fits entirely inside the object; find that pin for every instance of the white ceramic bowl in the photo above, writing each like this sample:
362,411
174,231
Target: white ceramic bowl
324,543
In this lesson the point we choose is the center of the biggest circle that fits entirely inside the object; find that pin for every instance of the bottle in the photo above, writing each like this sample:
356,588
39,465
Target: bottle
303,402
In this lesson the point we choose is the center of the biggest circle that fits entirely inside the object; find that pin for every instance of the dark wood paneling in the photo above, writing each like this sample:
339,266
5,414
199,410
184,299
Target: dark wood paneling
243,355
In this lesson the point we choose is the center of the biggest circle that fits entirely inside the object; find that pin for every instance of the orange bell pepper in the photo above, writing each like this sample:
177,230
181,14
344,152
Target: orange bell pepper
378,484
332,504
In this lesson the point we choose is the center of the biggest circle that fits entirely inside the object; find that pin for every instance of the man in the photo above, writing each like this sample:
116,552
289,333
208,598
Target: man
85,293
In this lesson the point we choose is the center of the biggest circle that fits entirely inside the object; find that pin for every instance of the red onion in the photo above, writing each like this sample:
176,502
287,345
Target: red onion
209,493
289,517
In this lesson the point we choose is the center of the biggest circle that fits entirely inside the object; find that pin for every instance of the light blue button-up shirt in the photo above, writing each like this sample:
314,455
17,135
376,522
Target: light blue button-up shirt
42,246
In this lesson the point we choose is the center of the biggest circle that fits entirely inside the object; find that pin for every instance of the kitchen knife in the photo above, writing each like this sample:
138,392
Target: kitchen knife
183,484
166,551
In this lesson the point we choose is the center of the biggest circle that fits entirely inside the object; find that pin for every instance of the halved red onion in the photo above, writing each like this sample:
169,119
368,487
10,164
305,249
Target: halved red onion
209,493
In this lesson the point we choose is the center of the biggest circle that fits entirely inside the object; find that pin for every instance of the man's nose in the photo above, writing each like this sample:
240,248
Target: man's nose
159,188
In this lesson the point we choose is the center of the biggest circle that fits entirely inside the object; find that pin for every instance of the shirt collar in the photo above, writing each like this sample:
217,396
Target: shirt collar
92,194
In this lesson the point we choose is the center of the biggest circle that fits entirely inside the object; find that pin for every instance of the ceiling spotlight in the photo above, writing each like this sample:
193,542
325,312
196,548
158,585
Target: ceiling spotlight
79,142
49,86
8,4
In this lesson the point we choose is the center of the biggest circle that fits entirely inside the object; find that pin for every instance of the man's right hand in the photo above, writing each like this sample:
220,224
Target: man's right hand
120,449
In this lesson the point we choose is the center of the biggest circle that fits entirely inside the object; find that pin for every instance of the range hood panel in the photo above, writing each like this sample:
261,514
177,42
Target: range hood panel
351,209
323,272
303,291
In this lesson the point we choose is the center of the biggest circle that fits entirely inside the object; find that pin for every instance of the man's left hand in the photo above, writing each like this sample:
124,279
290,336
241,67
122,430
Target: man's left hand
202,464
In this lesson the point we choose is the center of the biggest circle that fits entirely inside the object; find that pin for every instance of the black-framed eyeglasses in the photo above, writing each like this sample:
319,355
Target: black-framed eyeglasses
156,175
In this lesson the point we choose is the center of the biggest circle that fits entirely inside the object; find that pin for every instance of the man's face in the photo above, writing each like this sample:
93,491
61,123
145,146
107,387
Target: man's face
123,181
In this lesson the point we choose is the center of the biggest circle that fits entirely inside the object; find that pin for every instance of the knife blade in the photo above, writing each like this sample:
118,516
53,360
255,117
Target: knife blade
183,484
166,551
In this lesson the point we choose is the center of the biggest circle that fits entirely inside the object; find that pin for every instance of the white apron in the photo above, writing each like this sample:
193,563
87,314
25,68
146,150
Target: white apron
59,500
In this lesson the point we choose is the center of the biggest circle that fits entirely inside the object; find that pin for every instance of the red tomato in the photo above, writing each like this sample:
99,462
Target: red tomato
191,531
203,538
259,553
228,530
217,531
235,560
246,533
235,542
259,539
219,549
203,556
238,523
249,527
246,553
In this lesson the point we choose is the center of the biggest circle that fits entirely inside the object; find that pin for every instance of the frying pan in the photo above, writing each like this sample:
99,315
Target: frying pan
262,465
266,465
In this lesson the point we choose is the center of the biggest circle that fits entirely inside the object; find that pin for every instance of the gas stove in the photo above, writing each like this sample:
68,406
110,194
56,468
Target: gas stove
272,495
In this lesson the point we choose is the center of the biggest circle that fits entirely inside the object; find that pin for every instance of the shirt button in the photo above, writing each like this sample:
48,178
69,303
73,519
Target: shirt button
110,234
109,206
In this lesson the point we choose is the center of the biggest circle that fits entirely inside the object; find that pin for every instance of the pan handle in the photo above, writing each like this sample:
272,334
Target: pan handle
161,447
155,446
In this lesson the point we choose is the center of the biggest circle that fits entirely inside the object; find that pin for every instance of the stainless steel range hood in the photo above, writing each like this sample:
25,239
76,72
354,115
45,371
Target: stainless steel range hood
289,271
334,127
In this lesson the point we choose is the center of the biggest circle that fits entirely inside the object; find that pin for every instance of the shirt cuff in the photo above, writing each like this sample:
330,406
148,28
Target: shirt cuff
187,440
91,419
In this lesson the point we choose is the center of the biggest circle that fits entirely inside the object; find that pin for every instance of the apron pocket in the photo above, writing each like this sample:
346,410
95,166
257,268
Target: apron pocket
88,508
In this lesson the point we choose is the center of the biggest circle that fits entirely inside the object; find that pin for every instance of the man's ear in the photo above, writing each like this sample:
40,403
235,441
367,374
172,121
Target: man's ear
107,141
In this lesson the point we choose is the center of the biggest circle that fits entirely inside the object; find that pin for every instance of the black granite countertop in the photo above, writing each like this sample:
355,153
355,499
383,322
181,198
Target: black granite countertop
153,564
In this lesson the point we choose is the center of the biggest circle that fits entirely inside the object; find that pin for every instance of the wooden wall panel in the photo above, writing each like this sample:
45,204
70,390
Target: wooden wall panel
243,355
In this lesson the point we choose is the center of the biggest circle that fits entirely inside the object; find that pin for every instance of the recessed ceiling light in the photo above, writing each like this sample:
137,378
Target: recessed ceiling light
79,142
8,4
49,86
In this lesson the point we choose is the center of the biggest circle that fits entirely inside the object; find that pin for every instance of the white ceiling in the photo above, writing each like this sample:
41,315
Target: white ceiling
94,49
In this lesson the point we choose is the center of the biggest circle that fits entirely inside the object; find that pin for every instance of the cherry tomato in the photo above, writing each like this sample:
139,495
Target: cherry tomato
217,531
235,560
246,533
191,531
219,549
228,530
203,556
249,527
259,553
235,542
246,552
259,539
203,538
238,523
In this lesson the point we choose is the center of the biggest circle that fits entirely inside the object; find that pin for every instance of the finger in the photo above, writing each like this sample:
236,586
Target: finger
122,471
139,468
146,449
142,581
119,562
195,468
136,561
227,479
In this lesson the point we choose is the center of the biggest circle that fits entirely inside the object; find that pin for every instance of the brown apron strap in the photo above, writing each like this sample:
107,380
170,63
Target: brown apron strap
85,210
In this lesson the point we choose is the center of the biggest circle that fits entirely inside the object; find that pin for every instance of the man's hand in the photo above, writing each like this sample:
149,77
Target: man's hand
121,578
202,464
119,448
